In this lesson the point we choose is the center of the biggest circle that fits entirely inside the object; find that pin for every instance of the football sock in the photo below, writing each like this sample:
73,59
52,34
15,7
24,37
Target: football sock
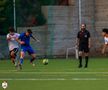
31,60
21,61
80,60
13,61
86,61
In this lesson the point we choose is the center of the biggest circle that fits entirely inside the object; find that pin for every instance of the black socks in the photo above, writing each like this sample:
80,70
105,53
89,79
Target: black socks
80,61
86,61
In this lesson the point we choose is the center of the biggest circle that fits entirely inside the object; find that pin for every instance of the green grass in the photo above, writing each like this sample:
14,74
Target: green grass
58,74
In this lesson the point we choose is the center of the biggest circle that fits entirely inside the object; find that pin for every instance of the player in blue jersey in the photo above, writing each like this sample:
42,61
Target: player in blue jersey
24,40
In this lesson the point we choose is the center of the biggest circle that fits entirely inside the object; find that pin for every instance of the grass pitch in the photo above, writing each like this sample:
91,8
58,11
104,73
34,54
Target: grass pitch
58,74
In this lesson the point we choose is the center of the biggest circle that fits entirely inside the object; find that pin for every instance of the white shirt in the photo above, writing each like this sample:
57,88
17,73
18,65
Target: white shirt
106,40
12,42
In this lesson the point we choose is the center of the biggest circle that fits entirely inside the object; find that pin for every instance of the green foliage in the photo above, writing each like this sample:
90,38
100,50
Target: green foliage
48,2
29,13
6,15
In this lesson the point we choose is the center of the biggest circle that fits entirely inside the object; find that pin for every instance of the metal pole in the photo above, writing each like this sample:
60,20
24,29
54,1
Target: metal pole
80,16
14,12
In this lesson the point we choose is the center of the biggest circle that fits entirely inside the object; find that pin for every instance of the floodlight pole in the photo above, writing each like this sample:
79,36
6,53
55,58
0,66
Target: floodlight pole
80,21
14,13
80,16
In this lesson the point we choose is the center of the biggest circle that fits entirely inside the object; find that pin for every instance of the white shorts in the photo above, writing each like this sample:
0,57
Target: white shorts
106,40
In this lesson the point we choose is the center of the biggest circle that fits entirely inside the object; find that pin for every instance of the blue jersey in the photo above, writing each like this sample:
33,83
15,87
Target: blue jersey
26,47
25,38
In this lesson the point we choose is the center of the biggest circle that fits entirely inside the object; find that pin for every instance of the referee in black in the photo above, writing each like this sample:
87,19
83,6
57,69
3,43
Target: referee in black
83,44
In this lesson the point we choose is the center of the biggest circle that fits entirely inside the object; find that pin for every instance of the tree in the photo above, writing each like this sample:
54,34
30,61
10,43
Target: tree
6,15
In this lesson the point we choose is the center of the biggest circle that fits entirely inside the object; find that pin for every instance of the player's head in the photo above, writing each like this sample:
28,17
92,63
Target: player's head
11,30
28,32
104,31
83,26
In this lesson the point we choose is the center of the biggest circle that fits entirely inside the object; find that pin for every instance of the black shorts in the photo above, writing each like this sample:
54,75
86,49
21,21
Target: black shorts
84,48
15,50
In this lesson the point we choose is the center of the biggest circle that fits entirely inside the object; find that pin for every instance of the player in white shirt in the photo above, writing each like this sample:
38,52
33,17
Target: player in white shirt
105,35
13,44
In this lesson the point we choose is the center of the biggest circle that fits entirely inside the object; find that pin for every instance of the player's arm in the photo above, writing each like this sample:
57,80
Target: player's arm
105,45
77,40
35,38
89,42
19,41
104,48
8,37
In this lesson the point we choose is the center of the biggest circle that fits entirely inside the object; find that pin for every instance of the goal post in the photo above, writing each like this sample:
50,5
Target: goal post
75,51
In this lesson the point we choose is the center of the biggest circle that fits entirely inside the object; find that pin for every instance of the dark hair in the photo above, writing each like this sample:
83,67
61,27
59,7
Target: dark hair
11,29
29,31
105,30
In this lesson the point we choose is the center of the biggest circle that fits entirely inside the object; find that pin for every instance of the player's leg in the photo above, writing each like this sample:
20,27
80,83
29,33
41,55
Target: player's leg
86,53
15,55
80,59
86,59
32,59
32,54
22,54
12,56
80,55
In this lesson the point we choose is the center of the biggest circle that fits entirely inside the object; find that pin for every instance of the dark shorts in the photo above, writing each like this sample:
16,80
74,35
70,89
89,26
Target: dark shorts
84,48
15,50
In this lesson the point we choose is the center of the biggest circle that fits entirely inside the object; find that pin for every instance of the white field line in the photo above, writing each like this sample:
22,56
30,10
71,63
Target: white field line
21,72
55,73
52,79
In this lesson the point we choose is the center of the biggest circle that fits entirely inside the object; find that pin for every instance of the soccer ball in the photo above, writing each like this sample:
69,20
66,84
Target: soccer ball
45,61
4,84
